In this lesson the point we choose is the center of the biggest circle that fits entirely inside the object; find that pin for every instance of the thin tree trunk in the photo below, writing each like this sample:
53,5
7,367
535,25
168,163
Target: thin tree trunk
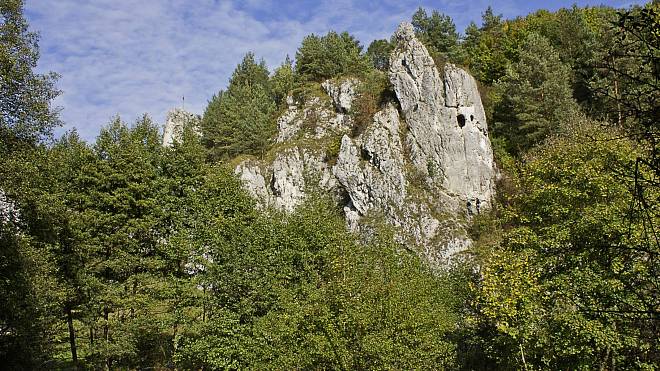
105,324
522,355
616,95
108,361
72,338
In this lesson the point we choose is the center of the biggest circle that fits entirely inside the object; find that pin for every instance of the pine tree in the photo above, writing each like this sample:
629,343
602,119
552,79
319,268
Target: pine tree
536,95
240,120
379,53
26,114
438,33
333,55
282,81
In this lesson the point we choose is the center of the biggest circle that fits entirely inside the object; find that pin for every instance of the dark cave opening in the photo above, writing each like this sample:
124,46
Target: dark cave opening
461,120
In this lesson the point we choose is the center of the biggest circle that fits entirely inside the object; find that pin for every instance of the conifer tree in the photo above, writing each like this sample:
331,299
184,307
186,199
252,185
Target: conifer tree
26,113
333,55
282,81
240,120
438,33
536,95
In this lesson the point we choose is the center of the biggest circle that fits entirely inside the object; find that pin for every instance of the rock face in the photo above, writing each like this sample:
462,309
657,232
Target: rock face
425,165
176,120
447,131
9,213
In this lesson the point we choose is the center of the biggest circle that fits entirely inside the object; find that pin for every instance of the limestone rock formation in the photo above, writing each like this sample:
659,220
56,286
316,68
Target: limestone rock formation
9,213
342,94
176,120
447,132
424,163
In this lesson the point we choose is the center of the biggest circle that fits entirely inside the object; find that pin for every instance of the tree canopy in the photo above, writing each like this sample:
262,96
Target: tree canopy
26,111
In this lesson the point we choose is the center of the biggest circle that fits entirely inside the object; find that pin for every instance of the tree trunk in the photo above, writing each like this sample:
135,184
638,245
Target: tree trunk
105,324
108,361
72,338
616,95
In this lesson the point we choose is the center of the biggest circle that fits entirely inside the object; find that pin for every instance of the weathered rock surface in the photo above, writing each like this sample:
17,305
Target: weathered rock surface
175,123
424,165
342,93
447,133
9,213
371,167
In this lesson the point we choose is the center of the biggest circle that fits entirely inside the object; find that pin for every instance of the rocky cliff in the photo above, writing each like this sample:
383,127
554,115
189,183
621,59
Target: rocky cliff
176,121
424,163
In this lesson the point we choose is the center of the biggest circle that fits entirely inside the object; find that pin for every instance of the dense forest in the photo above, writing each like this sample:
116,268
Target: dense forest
127,254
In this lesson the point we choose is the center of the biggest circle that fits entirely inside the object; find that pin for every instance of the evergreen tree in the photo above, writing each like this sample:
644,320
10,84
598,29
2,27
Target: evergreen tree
535,95
26,114
240,120
121,222
379,53
333,55
438,33
282,82
249,72
491,48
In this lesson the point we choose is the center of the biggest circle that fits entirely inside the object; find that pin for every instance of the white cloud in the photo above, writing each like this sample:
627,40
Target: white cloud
129,57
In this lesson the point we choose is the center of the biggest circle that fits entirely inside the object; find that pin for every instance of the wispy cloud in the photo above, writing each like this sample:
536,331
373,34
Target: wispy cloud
132,57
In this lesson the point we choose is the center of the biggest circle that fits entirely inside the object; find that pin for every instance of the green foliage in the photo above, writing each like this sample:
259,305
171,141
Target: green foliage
129,255
535,95
26,115
30,298
490,48
438,33
240,120
300,292
249,72
282,82
379,53
569,283
333,55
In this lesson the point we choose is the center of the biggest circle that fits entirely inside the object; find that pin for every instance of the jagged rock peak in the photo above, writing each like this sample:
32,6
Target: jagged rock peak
448,135
405,32
176,120
424,169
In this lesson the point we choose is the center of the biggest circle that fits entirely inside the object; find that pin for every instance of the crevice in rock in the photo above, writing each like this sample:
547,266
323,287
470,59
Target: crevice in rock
366,156
460,119
274,189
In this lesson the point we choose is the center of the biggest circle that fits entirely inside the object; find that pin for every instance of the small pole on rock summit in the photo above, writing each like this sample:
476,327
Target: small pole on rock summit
183,102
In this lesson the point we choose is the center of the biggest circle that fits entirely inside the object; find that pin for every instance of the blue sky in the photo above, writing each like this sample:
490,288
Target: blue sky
130,57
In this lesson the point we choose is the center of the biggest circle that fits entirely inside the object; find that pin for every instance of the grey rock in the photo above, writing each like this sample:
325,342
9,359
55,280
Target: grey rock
315,114
176,120
447,132
288,125
370,168
424,169
288,182
342,93
254,182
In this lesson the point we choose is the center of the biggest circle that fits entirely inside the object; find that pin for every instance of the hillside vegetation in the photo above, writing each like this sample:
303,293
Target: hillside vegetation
127,254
